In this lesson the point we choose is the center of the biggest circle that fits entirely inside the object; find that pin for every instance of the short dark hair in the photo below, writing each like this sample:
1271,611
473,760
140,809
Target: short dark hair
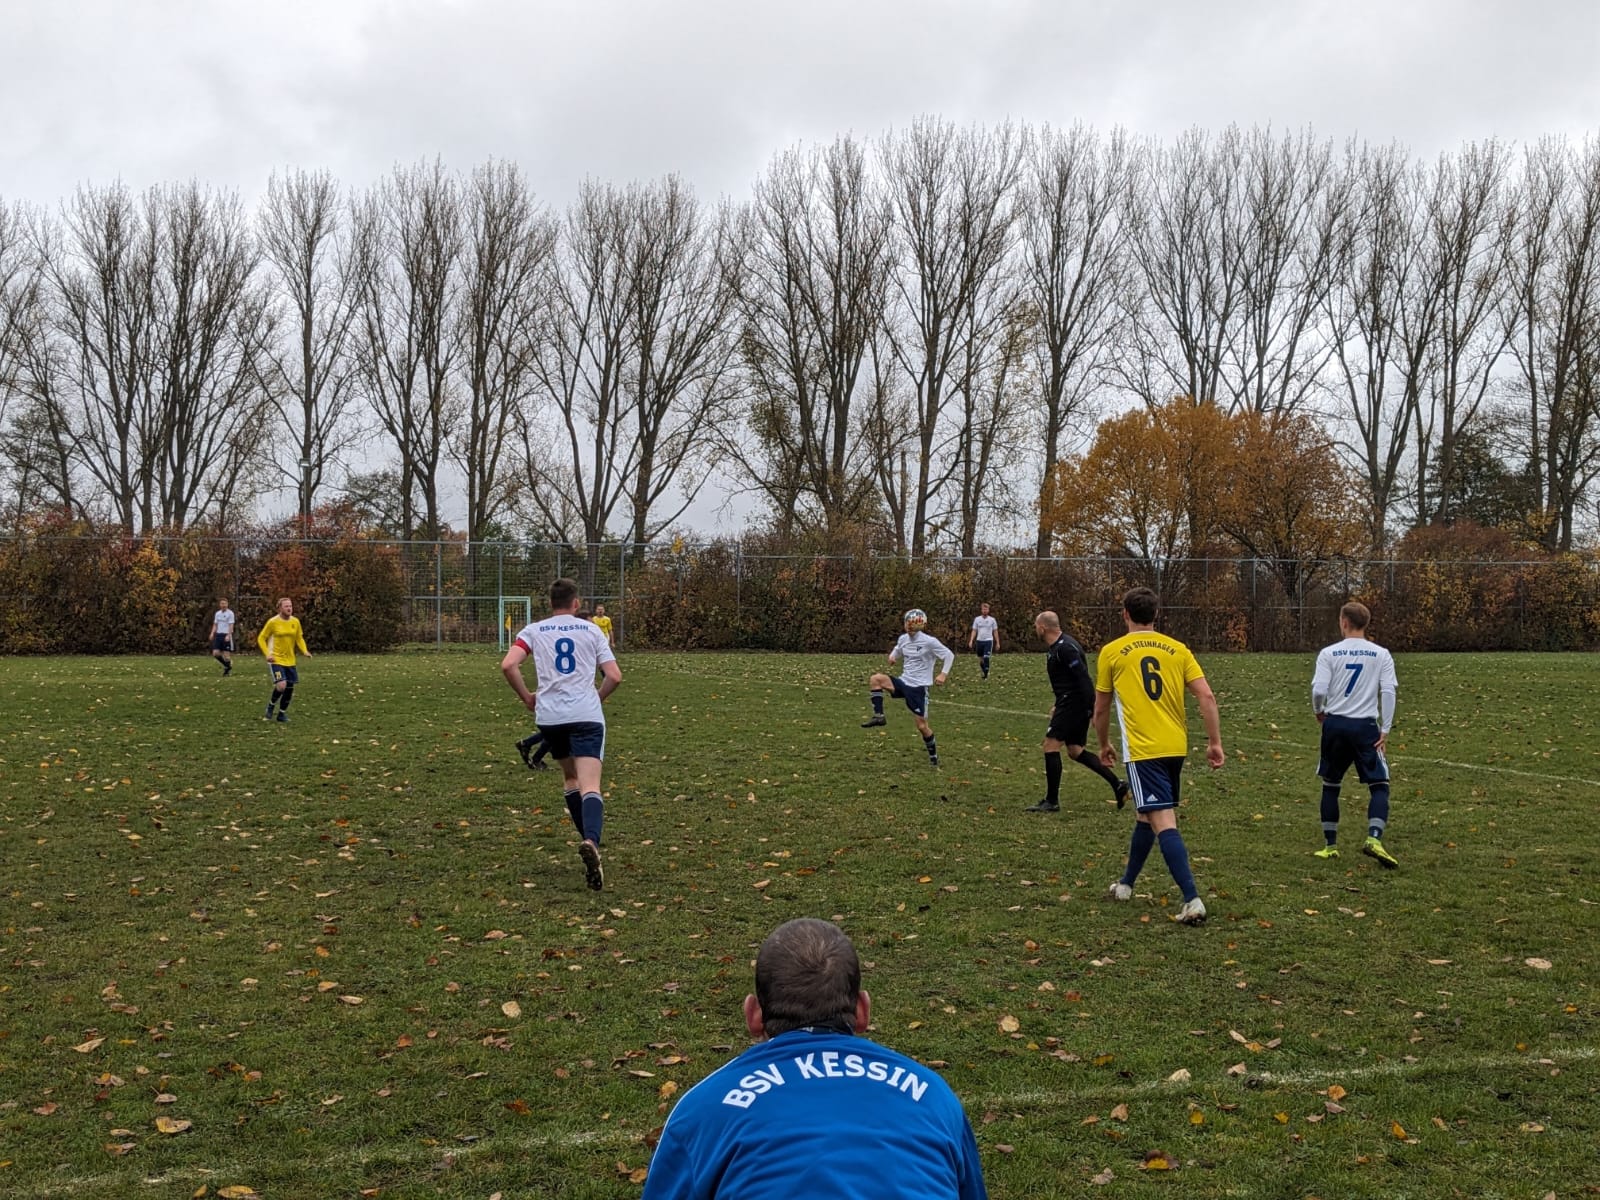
1140,604
562,593
807,974
1356,614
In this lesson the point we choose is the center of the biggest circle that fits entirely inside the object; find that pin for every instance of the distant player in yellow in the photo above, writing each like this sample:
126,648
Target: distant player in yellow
279,640
604,622
1145,674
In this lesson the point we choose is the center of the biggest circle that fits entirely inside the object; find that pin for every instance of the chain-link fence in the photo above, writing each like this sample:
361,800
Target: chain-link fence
717,596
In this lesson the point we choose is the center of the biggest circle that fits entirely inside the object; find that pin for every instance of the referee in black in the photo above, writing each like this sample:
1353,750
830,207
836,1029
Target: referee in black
1069,716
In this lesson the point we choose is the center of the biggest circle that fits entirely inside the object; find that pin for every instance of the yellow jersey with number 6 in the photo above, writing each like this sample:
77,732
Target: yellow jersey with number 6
1147,673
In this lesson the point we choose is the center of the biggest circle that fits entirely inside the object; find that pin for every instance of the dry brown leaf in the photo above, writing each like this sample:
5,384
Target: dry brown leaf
1091,1119
1009,1024
1398,1130
352,1000
494,935
327,985
1119,1113
638,1174
331,1101
1539,964
118,1149
667,1089
1181,1075
171,1125
511,1009
1237,1069
90,1046
1531,1127
1331,1107
239,1191
166,1098
1103,1178
45,1109
1337,1093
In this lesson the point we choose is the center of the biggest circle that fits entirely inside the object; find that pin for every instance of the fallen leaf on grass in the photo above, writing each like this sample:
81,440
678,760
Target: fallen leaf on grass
173,1125
667,1089
352,1000
331,1101
1531,1127
1103,1178
90,1046
511,1009
118,1149
45,1109
1337,1093
1398,1130
166,1098
1009,1024
1181,1075
1004,1148
1119,1113
1237,1069
239,1191
1197,1118
1156,1160
1282,1118
1539,964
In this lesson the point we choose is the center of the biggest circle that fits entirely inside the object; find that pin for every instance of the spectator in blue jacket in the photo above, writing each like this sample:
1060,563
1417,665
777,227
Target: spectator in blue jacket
814,1109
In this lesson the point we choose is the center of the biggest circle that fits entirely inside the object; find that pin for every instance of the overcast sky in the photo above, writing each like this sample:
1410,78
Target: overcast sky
224,91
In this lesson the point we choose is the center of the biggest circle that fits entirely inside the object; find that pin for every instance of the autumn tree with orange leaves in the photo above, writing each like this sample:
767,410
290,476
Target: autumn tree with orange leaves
1187,481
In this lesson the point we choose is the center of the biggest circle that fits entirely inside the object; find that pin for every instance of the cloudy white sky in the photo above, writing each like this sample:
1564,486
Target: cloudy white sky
154,90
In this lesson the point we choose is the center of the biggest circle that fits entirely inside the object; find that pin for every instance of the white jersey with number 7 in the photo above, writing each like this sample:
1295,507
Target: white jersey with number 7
1351,677
566,652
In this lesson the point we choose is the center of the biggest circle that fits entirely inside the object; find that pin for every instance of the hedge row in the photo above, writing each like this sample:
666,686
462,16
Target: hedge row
74,591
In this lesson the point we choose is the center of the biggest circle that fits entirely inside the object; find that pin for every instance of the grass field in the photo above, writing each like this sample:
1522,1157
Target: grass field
355,955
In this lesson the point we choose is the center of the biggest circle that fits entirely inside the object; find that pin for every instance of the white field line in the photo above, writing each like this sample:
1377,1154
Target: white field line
241,1170
1044,716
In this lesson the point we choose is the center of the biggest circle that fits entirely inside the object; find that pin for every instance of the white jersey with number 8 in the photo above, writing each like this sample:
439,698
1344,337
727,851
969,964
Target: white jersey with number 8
566,652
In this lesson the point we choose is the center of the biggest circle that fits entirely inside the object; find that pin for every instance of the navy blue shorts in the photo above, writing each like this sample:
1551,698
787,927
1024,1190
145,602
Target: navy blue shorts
916,698
221,641
1347,740
579,739
984,649
1156,783
287,674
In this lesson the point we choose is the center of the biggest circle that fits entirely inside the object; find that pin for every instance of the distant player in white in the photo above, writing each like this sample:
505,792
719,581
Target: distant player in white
985,637
917,650
1353,695
222,623
566,651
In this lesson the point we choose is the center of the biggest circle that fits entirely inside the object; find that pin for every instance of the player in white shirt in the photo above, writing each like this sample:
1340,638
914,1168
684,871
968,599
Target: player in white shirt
222,624
917,650
566,651
1353,695
985,636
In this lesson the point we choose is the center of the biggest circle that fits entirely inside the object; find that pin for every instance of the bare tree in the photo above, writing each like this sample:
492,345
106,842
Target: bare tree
1291,219
1465,217
954,197
1074,270
310,375
209,341
408,244
1181,216
1382,313
582,358
508,242
684,292
1553,268
993,423
811,304
103,272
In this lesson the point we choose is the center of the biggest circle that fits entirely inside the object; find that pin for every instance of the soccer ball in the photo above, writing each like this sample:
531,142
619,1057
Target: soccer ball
916,620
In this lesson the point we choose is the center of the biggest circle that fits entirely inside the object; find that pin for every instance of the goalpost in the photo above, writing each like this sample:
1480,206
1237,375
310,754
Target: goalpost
515,612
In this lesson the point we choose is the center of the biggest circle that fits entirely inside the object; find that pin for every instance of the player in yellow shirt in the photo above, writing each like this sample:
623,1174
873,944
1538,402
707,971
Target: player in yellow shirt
1145,674
604,622
279,640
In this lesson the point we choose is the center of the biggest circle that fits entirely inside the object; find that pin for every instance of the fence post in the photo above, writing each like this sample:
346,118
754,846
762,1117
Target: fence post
438,594
622,593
